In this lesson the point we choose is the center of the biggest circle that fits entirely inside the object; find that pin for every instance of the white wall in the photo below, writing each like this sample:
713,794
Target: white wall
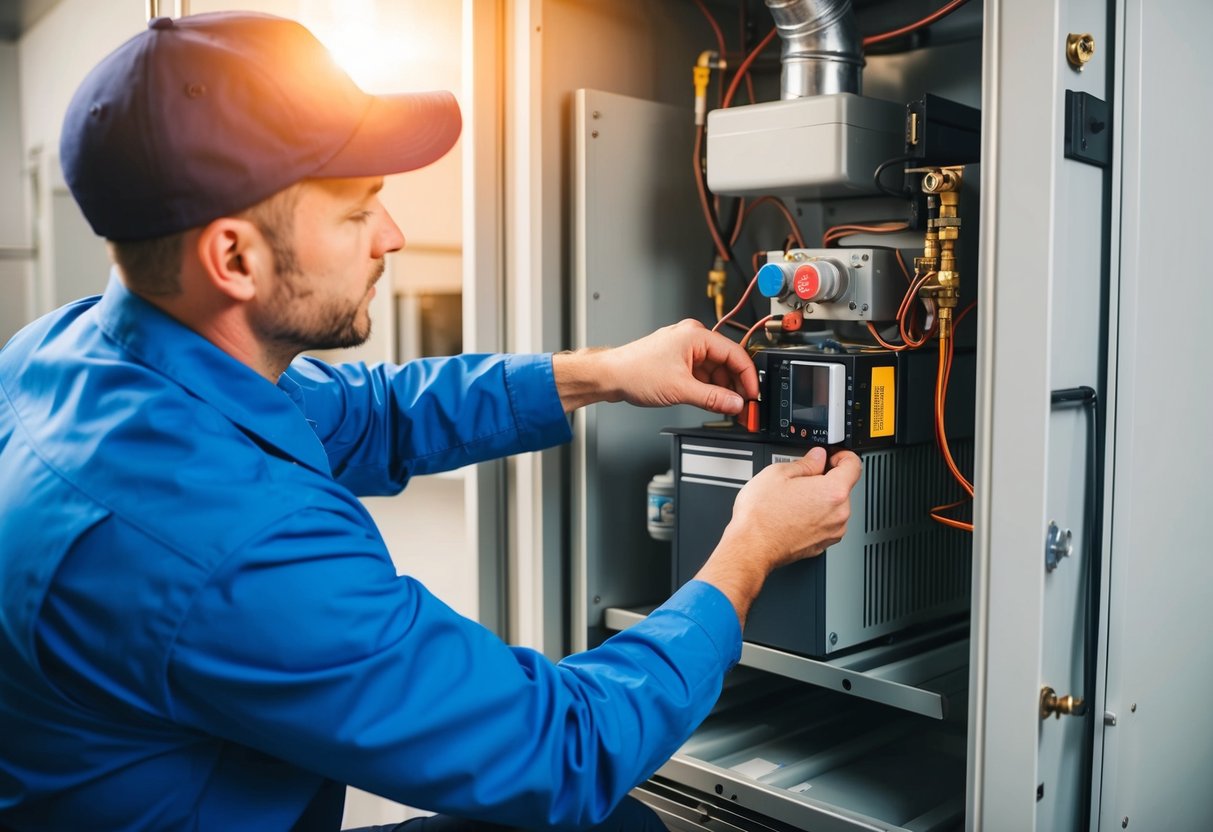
14,274
388,46
12,206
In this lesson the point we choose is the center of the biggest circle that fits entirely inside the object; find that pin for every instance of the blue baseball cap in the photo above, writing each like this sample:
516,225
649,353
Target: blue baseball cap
204,116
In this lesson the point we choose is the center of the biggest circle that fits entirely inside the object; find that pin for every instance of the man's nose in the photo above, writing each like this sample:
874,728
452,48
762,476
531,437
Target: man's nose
388,238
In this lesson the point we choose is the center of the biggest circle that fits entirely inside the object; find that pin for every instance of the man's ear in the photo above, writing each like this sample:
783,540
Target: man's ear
235,257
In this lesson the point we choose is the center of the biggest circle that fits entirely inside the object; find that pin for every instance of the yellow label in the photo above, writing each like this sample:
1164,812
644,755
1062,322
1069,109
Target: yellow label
882,401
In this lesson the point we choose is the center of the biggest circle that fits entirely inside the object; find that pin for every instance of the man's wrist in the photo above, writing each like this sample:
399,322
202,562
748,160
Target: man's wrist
738,570
583,377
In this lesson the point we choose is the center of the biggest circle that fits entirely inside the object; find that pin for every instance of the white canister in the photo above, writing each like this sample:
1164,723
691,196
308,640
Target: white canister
661,506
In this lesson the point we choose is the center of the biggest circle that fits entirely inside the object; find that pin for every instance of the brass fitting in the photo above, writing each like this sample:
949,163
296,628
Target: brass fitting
701,73
1053,705
716,280
939,244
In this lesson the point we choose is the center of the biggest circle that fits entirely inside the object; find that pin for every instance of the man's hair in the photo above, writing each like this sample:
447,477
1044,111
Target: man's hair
150,267
153,267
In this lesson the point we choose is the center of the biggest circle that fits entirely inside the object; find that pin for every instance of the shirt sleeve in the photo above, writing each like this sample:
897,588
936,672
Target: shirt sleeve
310,648
383,424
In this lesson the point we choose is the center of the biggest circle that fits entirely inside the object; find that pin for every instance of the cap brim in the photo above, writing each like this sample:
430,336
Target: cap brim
398,133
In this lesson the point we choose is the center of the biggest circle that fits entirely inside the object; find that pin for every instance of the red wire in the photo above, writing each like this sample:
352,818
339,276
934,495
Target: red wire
926,21
715,27
837,232
783,209
883,342
722,250
745,67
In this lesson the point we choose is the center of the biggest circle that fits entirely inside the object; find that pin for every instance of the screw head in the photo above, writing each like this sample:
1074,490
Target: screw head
1133,707
833,638
1124,824
1080,48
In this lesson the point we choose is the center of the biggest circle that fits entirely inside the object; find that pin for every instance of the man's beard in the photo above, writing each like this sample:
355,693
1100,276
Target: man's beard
296,325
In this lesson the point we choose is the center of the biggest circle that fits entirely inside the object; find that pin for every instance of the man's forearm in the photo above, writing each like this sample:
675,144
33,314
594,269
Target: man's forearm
736,573
583,378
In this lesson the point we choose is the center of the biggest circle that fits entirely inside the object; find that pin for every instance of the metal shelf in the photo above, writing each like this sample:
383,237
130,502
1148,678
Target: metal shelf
920,674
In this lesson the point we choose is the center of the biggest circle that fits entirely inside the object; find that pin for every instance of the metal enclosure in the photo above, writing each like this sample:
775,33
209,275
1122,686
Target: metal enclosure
894,568
1072,296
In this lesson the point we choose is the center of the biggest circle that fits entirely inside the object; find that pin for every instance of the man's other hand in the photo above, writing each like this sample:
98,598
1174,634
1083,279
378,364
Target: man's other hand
684,363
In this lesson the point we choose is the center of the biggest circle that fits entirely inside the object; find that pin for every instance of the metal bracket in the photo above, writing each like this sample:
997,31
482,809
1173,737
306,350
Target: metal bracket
1088,137
1057,545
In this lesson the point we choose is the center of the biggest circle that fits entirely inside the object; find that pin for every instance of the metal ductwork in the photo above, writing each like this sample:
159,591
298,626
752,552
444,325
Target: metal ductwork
822,53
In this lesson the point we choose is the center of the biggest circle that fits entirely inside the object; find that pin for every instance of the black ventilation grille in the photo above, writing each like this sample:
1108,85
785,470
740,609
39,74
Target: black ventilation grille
903,484
914,574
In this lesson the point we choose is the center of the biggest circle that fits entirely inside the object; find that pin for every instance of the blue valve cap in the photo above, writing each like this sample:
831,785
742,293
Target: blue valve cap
771,280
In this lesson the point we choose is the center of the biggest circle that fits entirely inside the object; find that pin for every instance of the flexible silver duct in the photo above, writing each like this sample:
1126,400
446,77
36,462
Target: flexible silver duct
821,47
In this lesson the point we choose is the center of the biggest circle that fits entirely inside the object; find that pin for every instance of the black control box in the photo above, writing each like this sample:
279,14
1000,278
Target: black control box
861,399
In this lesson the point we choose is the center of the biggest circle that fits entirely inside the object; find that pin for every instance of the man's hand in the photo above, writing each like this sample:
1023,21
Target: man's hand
680,364
789,511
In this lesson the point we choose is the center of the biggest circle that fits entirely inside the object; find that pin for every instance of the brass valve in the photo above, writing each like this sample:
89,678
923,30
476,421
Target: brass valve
1053,705
939,245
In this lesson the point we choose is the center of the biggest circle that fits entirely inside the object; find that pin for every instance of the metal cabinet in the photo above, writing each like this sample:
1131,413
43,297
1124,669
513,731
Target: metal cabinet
603,241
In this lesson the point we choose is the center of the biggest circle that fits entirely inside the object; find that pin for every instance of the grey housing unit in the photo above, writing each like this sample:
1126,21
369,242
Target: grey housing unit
895,567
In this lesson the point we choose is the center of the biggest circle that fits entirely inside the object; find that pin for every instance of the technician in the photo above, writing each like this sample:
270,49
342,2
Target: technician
200,625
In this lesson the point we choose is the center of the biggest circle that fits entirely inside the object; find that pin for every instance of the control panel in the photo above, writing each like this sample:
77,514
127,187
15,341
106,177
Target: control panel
834,284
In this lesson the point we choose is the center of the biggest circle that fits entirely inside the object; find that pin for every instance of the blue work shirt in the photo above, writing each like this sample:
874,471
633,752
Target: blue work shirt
201,627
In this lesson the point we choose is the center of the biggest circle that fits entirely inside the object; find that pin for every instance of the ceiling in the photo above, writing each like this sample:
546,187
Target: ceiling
16,16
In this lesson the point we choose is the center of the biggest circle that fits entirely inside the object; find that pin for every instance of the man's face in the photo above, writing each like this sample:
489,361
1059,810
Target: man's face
327,259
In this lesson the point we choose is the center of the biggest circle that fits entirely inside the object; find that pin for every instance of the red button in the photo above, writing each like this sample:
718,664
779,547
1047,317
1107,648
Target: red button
807,282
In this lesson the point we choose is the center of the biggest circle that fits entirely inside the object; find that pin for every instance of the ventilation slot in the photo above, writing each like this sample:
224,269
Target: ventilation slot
914,575
902,485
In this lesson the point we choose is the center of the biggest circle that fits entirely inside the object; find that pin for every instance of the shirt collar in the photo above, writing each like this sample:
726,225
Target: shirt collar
269,412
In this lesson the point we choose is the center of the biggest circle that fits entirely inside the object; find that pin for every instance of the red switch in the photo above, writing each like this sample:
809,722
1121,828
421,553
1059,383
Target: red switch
750,416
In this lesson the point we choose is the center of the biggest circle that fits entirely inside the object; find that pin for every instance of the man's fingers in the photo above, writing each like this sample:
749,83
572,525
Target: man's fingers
723,378
812,464
713,398
845,465
721,351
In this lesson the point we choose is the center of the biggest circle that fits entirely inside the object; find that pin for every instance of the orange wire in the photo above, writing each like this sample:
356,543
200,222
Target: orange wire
750,333
948,521
941,379
945,363
905,30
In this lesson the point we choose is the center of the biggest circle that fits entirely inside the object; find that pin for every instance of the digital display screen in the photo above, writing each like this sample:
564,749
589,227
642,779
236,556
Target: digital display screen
810,401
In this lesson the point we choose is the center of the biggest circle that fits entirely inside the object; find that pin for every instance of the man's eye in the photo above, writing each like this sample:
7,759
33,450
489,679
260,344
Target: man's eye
362,216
